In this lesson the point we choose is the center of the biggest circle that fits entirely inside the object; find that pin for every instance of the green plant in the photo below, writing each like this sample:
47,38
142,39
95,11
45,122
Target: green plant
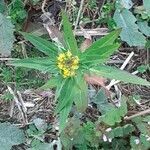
68,66
10,135
7,96
131,24
16,11
106,17
6,36
36,135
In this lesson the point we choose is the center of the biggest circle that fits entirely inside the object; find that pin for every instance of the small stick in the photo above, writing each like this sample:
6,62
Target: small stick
79,13
7,59
24,108
92,32
16,101
43,5
138,114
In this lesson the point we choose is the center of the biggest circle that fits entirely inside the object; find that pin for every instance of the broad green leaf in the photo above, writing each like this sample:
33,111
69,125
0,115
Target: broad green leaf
101,100
66,95
121,131
99,55
63,115
146,4
59,88
114,115
117,74
144,140
80,95
130,34
51,83
120,4
2,6
144,28
42,64
68,35
10,135
41,44
104,41
136,143
6,35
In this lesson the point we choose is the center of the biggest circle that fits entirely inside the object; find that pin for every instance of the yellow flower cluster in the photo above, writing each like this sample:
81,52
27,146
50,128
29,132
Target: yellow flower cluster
67,64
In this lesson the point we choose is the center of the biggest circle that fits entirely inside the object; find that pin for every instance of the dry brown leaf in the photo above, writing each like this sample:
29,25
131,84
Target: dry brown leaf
95,80
85,44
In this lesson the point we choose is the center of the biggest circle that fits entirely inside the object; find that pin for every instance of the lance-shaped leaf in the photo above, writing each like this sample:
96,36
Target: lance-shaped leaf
66,94
51,83
103,42
68,35
80,98
63,115
114,73
42,64
99,55
41,44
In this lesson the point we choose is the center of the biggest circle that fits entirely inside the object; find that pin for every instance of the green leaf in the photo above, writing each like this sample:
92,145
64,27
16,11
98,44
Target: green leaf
144,141
80,95
101,100
114,115
117,74
103,42
2,6
10,135
41,44
134,145
144,28
42,64
120,4
6,35
68,35
51,83
121,131
147,45
64,115
66,95
99,55
146,4
130,34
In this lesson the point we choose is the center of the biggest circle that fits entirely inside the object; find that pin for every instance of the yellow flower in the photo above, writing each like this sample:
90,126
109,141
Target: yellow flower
67,64
68,54
60,66
61,57
74,67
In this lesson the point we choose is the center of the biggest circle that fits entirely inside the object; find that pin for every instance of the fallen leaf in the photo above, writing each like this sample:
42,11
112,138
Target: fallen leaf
85,44
95,80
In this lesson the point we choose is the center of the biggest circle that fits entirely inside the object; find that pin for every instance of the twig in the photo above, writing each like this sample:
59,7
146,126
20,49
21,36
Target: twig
92,32
138,114
79,13
12,108
24,108
17,102
43,6
7,59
